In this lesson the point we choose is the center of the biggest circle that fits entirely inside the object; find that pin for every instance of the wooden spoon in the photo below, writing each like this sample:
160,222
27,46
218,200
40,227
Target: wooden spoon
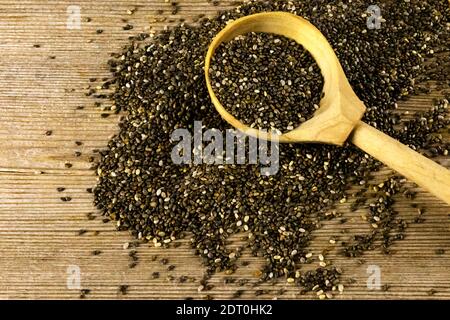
340,112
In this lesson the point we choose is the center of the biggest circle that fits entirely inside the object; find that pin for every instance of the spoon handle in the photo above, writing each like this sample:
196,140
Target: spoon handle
409,163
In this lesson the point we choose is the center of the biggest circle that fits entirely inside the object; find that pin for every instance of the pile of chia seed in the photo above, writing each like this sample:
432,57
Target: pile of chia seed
266,81
160,85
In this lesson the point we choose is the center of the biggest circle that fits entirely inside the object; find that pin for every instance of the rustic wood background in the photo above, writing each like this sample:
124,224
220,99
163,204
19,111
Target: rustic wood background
39,233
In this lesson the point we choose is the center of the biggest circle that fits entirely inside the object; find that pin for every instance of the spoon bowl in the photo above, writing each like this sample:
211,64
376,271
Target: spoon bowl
340,109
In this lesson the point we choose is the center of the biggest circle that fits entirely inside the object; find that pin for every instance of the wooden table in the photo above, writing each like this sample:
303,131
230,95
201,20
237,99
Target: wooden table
39,238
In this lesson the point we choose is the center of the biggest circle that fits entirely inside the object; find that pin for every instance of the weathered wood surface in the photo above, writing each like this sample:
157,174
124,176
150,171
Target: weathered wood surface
39,233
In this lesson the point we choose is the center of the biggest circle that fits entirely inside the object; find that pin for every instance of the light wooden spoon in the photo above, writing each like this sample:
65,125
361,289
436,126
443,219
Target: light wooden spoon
340,112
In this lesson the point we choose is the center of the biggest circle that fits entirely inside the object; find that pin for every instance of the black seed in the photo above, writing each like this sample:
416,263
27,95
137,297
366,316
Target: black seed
128,27
90,216
259,293
123,289
84,293
238,294
170,268
431,292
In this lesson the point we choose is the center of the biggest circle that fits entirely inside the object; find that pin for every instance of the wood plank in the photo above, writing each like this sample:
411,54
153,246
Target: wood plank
39,233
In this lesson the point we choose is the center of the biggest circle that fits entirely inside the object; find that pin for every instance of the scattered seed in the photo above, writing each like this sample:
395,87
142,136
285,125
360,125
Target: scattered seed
171,267
123,289
84,293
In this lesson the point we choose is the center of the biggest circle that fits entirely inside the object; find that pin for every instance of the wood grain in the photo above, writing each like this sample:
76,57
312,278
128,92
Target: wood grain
39,233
